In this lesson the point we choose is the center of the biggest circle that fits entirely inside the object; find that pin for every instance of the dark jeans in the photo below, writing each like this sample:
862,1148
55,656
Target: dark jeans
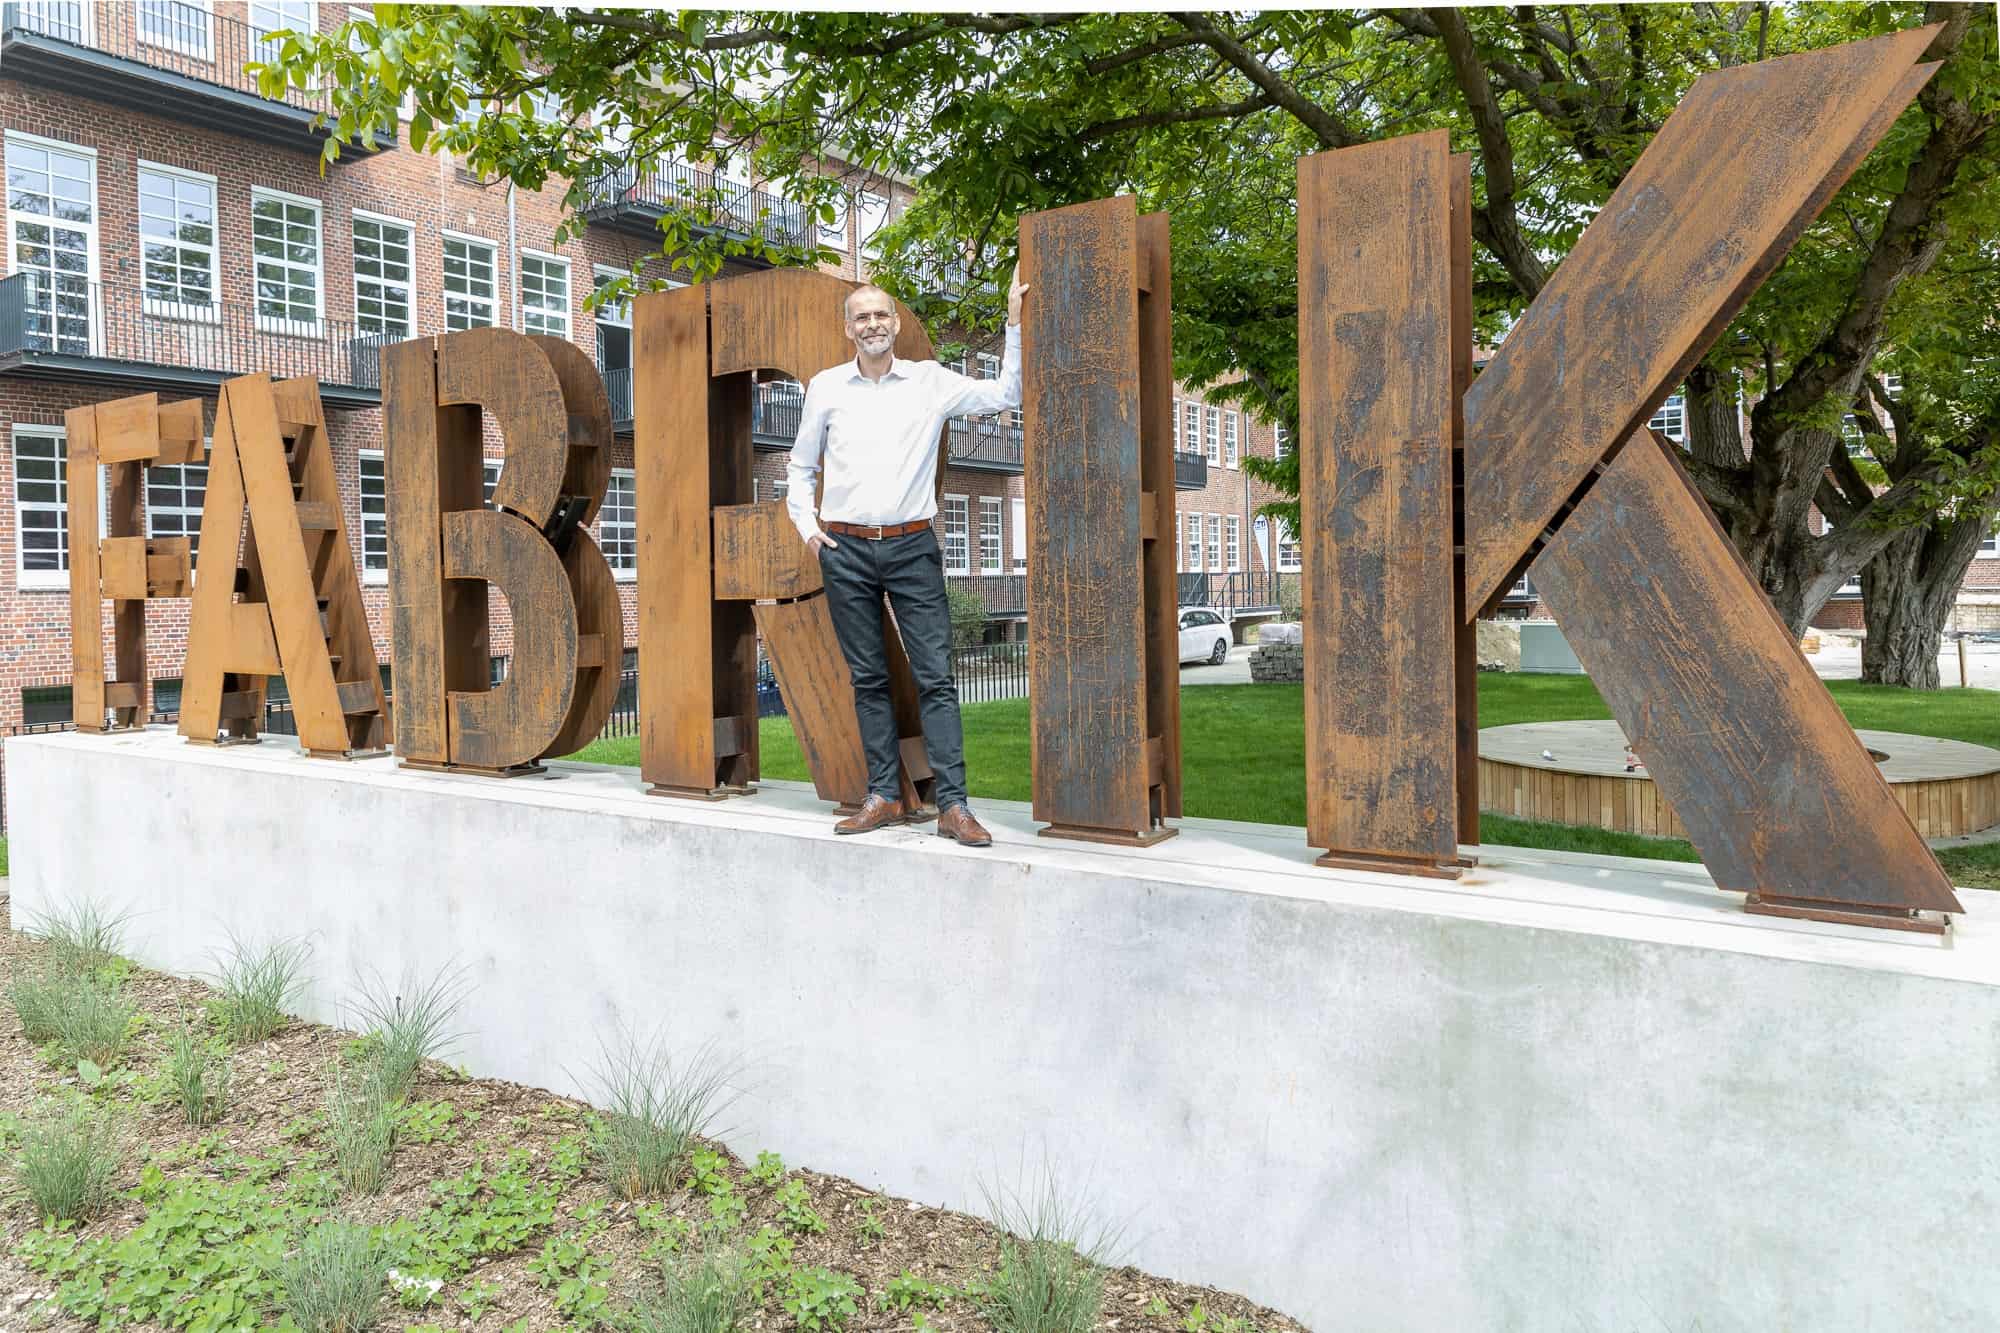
910,571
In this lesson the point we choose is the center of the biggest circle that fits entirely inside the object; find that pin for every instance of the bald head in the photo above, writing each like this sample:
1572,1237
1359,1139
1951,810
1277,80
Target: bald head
867,289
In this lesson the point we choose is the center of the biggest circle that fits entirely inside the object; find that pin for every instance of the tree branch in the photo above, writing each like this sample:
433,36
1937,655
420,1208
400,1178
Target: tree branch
1326,127
1502,230
1229,111
1721,486
1143,51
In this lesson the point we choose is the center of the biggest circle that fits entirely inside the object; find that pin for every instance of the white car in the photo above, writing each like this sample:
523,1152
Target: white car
1204,636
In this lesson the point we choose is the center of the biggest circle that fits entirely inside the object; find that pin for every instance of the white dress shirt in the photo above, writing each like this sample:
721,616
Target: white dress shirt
878,439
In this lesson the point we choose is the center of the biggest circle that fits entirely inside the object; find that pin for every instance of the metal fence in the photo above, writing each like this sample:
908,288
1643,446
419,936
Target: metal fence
60,314
1246,590
679,186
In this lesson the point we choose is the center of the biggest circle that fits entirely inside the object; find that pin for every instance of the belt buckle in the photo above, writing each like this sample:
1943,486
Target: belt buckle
880,532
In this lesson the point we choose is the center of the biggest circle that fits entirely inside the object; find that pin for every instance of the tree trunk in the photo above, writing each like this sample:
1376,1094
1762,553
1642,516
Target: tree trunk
1907,594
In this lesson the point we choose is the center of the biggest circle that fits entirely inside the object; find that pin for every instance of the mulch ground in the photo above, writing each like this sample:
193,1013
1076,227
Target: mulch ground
279,1082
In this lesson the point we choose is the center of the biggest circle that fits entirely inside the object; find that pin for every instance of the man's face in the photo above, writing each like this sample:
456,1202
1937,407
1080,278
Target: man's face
872,323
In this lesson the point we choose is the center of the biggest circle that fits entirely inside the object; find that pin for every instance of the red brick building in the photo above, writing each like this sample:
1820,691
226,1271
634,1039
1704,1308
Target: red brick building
169,228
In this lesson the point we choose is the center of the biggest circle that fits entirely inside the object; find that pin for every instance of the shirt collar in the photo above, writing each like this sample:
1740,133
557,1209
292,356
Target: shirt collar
899,369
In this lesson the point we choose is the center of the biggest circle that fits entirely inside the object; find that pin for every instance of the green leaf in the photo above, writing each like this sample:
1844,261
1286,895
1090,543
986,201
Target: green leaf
89,1073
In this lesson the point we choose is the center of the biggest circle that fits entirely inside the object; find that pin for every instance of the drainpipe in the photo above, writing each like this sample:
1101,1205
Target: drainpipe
514,260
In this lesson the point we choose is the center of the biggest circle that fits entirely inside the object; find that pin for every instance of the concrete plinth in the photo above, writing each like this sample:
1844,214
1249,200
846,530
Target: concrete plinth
1560,1093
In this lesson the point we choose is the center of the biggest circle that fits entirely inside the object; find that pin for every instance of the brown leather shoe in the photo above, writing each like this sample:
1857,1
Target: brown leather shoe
875,812
958,824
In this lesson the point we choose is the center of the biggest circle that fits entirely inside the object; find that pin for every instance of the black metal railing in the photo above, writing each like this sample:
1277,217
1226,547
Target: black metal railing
1246,590
1190,469
776,410
716,200
185,39
1003,594
991,442
61,315
618,388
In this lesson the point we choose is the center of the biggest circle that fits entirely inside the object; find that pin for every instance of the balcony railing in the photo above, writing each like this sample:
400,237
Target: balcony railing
1246,590
635,200
1190,469
1004,594
165,57
65,328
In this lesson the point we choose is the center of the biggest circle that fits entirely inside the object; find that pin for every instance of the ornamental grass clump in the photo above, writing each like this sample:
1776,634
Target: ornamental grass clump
37,999
334,1281
83,938
653,1109
92,1018
1051,1278
700,1291
67,1161
360,1126
258,985
406,1029
197,1076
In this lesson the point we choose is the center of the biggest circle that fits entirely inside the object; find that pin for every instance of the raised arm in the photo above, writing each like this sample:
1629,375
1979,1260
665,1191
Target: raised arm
964,396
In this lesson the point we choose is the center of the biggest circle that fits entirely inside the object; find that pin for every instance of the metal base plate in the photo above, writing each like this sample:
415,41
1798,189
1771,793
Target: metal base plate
1389,865
346,755
1881,918
697,793
1116,837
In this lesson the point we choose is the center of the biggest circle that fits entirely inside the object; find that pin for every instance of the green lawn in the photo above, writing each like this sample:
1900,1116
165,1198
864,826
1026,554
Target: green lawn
1243,753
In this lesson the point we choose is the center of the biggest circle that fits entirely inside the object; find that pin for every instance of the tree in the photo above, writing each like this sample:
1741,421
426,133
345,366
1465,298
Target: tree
1204,114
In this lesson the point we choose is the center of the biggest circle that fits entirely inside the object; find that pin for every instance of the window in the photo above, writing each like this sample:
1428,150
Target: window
611,312
989,365
284,239
1020,508
618,525
957,558
52,230
1234,550
834,233
989,534
374,519
1288,548
469,284
1191,428
1893,386
1180,558
871,211
1990,548
1196,562
1231,446
547,106
1281,440
177,241
1671,419
383,294
45,705
173,502
178,25
544,294
269,16
489,481
1211,435
67,20
41,507
1215,541
768,490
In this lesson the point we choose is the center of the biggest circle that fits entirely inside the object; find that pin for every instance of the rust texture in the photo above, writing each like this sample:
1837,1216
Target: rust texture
1775,789
1739,170
1091,364
1376,378
448,547
715,569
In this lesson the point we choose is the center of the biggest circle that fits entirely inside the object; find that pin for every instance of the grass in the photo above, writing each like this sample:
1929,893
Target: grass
1050,1278
360,1125
654,1107
1243,753
93,1018
700,1291
197,1075
406,1030
68,1160
83,937
334,1281
258,985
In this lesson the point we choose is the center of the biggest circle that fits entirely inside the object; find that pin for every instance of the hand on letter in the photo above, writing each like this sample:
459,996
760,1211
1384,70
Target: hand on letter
1016,289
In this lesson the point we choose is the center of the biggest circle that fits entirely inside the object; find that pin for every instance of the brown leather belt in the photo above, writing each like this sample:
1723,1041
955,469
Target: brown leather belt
875,532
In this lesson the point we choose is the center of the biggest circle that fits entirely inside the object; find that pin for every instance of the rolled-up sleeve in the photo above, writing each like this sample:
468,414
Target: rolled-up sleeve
802,472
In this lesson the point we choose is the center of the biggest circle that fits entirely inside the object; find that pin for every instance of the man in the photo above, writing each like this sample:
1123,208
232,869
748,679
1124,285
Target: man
872,424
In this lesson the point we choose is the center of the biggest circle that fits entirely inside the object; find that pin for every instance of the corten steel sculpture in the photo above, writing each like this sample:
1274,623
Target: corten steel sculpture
1776,790
125,565
300,614
446,548
716,570
1385,348
1097,400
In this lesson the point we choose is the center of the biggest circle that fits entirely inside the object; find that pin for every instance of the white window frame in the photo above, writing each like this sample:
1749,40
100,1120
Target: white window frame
37,11
410,284
25,578
1232,536
203,51
181,309
1197,552
94,333
870,247
1281,442
1281,533
619,315
990,509
1215,543
1211,434
624,567
1180,552
285,325
963,532
835,233
1177,425
1191,435
1232,439
492,302
545,314
1018,505
1989,547
1671,419
364,457
189,514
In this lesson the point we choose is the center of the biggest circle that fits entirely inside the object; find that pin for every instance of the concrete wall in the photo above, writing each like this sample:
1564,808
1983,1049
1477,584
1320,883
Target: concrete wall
1562,1094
